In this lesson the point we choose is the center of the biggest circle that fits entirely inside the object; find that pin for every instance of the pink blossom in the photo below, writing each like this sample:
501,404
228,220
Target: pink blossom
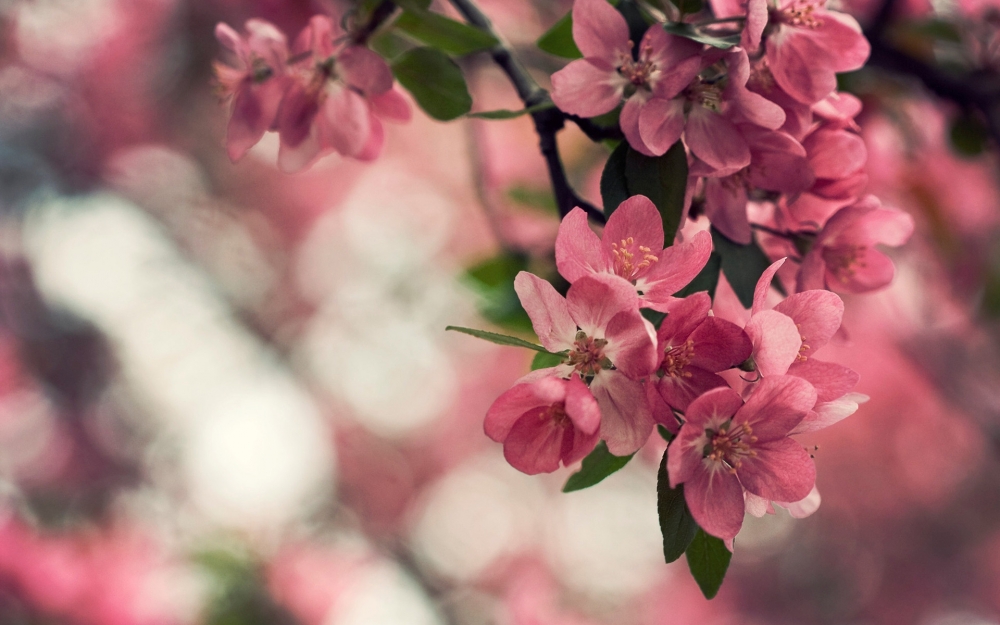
844,258
254,88
693,348
606,342
726,446
631,248
596,83
778,163
705,110
334,98
807,45
543,422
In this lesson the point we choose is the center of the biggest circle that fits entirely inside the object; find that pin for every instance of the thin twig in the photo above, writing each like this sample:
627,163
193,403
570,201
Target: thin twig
380,14
548,122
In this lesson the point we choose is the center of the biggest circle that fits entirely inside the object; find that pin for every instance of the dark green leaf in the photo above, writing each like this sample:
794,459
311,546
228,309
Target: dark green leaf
708,560
663,179
690,32
614,189
664,433
507,114
706,280
443,33
493,280
939,29
598,465
534,197
688,7
742,265
676,523
414,4
389,45
499,339
558,40
968,135
544,360
655,317
435,81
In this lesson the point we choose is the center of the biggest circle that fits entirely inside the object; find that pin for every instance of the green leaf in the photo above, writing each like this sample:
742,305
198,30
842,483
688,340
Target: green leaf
443,33
389,45
435,82
663,179
664,432
690,32
688,7
499,339
742,265
507,114
598,465
558,40
968,135
544,360
706,280
708,560
614,188
676,523
655,317
493,280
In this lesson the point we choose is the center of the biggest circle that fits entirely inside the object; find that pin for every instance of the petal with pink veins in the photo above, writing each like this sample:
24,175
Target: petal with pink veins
715,500
661,123
817,313
776,342
635,219
365,70
548,311
587,87
831,380
626,421
600,31
593,300
578,248
776,406
782,470
715,140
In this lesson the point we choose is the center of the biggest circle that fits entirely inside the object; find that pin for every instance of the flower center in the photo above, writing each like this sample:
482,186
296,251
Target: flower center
800,13
703,93
587,355
259,69
676,360
801,357
729,445
626,264
844,261
556,413
640,72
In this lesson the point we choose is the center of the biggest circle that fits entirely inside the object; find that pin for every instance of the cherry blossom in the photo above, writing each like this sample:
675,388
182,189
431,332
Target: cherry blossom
606,342
631,248
727,446
543,422
694,347
843,256
333,101
254,88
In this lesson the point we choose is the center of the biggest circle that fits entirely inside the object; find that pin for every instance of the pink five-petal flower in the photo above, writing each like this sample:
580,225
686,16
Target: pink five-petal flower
726,446
545,422
776,340
693,348
607,343
596,83
843,257
256,87
631,247
807,45
332,103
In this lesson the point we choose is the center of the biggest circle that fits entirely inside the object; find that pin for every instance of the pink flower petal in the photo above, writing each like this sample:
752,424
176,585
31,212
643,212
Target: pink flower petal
721,402
578,249
715,140
830,380
726,207
635,219
535,443
626,421
629,122
631,344
344,122
804,507
853,270
676,268
764,285
600,31
776,341
587,87
391,105
581,407
776,406
683,316
365,70
548,311
296,114
817,314
679,391
593,300
826,414
715,500
800,66
781,471
720,345
518,400
661,123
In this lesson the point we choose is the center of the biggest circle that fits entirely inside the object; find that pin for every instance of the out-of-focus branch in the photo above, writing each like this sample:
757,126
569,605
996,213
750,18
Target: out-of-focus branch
548,122
379,15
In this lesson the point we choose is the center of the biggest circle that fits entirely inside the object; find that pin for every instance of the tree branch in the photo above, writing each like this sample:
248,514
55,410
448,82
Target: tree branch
548,122
380,14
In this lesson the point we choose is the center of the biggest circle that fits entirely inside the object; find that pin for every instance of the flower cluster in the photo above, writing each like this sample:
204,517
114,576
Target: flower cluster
762,122
324,94
619,375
